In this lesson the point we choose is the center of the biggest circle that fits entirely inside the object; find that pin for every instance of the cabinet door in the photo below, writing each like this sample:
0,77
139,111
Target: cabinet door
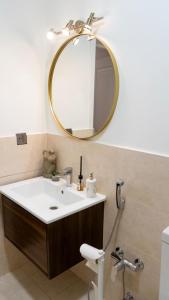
26,232
67,235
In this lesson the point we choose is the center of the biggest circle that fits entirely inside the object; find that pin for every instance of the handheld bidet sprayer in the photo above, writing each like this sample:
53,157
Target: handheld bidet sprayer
95,257
120,201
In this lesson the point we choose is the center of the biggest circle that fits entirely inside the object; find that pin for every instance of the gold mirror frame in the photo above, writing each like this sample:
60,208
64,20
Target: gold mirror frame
116,85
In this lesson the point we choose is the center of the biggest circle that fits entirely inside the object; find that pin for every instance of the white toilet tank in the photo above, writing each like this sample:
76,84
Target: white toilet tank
164,275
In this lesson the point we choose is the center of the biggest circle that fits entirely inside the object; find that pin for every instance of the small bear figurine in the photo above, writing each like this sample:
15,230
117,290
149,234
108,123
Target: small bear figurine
49,163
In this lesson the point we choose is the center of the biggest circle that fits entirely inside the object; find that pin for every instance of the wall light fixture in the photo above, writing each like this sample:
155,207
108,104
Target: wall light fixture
75,27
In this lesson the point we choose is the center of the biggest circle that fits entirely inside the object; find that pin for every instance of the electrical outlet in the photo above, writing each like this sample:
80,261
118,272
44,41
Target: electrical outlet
21,138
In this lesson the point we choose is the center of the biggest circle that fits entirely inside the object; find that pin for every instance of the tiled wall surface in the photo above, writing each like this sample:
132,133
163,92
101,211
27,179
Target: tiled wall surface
146,213
17,163
147,203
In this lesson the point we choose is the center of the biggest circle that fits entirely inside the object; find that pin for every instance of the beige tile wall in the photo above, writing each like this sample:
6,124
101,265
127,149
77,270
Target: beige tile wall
147,202
17,163
146,213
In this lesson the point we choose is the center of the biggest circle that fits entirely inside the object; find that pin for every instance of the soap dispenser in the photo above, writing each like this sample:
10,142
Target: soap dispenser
91,186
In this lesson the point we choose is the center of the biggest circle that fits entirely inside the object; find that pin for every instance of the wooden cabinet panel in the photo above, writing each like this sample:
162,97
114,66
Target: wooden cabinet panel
53,247
67,235
26,232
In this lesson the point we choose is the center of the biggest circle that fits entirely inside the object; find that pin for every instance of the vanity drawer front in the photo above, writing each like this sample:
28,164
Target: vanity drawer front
26,232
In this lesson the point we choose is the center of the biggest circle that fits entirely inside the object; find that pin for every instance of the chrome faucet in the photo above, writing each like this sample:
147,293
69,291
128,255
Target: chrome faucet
120,263
66,174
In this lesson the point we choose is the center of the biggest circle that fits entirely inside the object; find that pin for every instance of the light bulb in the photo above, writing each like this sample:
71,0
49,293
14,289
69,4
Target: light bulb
75,41
50,34
66,31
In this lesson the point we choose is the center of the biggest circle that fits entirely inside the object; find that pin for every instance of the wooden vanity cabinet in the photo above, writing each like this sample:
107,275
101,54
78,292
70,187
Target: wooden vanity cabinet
53,247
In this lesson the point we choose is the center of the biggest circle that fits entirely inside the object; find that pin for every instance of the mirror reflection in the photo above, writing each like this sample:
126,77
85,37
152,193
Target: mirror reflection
84,87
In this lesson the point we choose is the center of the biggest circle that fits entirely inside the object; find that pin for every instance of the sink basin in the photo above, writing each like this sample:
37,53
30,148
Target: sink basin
47,200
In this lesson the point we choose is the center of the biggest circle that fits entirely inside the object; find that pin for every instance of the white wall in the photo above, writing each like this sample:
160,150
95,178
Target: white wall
137,31
22,62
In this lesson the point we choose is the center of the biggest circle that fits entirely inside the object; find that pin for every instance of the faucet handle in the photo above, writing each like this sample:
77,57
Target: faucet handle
139,264
68,170
117,255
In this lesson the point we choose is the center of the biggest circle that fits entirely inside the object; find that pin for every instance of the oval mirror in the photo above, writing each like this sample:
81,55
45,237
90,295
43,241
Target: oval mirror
83,86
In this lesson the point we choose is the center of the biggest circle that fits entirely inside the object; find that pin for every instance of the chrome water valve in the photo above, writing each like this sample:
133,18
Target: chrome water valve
120,263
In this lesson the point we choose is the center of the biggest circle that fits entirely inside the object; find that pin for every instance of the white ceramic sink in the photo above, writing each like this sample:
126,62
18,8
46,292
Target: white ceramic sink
47,200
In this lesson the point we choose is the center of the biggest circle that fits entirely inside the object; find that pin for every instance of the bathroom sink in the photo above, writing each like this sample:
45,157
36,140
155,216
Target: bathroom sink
47,200
48,222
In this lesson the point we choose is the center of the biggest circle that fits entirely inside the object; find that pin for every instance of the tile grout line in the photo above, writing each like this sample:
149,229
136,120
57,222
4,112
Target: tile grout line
20,173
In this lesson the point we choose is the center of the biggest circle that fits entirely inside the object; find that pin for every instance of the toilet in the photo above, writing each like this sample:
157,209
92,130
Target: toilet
164,275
